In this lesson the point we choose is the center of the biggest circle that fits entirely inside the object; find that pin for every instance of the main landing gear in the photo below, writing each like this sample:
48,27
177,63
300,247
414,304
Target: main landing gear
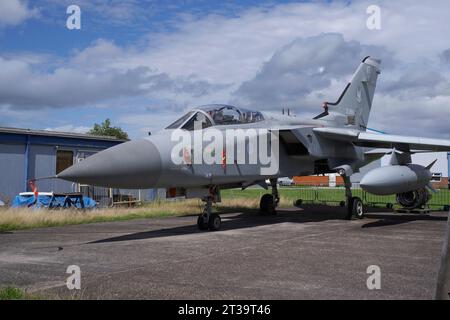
355,207
269,202
208,220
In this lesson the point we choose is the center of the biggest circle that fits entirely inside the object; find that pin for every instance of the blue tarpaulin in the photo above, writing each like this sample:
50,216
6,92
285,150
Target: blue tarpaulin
53,201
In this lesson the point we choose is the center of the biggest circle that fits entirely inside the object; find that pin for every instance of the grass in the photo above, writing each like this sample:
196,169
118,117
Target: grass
290,194
330,195
232,200
13,293
25,218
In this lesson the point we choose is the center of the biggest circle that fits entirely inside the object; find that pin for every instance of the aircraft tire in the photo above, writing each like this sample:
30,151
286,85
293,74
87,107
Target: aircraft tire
201,223
267,205
214,222
357,208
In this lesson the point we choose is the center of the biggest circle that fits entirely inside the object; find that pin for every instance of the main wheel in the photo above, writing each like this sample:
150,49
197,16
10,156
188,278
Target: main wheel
201,223
357,208
214,222
267,205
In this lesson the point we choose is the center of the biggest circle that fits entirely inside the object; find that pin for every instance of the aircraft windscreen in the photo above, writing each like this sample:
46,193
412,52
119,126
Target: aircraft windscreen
228,115
198,121
180,121
220,115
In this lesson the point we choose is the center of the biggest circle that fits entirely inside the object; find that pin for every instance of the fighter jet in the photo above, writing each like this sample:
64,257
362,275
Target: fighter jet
215,147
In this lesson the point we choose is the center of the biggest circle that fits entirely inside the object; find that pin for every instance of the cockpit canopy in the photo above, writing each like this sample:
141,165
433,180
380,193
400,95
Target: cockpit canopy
216,115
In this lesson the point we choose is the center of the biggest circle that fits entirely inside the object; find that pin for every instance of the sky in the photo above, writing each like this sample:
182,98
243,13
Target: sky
144,63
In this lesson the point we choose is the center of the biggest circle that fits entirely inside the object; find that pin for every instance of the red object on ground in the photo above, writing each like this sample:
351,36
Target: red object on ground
34,189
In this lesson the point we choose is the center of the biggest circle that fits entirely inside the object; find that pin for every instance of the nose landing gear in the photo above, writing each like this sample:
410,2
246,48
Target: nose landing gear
208,220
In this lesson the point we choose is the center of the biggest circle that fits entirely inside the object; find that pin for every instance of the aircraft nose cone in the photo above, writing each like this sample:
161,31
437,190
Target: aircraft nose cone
133,164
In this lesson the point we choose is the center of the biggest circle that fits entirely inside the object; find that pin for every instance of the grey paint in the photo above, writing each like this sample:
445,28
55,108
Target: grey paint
356,177
134,164
395,179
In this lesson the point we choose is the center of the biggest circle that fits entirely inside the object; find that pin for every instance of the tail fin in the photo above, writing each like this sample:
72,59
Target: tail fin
355,102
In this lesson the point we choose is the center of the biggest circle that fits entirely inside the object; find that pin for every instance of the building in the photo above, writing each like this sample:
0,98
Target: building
26,154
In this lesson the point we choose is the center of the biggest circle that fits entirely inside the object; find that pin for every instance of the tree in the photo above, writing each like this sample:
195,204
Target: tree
105,129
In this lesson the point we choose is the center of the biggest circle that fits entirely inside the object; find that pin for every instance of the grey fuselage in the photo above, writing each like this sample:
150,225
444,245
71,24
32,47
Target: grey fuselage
148,163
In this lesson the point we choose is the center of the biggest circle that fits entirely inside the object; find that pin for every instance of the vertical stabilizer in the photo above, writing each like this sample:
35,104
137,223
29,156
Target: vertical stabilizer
355,102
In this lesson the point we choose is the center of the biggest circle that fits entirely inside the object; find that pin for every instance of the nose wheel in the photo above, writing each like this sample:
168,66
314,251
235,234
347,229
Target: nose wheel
208,220
201,224
212,223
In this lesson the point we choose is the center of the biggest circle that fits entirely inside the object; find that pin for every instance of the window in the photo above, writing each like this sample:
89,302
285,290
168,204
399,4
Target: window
229,115
436,177
64,159
180,121
197,119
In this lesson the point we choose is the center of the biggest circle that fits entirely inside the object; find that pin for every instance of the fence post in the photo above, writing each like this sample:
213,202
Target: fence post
443,281
111,197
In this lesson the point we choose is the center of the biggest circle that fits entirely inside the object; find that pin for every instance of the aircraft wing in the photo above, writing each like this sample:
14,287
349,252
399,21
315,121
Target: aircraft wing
372,140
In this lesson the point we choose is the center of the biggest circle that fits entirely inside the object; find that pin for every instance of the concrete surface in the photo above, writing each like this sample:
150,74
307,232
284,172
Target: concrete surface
308,253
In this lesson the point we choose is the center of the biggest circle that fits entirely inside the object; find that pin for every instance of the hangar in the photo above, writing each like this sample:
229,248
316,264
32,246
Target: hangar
26,154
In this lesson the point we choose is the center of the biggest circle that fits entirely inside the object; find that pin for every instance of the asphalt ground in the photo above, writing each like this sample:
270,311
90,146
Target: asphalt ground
309,253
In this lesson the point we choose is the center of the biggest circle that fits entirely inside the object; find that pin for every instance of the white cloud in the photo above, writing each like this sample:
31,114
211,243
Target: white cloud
14,12
70,86
260,56
302,68
140,124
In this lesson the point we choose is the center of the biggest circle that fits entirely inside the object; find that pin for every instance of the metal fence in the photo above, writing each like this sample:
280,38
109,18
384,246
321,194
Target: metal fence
107,197
335,195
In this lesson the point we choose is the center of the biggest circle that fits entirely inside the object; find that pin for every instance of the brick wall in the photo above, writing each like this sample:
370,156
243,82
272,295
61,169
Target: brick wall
443,184
317,181
324,181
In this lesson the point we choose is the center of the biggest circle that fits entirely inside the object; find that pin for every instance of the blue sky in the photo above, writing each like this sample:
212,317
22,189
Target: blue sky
143,63
46,33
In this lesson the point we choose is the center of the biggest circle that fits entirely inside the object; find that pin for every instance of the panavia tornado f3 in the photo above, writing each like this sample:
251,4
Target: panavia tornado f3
216,147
